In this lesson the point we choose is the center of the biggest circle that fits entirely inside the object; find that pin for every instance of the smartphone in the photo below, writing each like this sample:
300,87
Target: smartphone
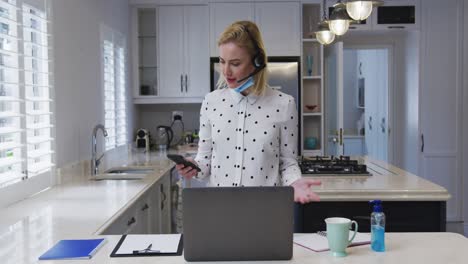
178,159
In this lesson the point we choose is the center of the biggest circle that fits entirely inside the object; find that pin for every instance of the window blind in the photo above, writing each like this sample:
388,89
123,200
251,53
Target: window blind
114,83
25,98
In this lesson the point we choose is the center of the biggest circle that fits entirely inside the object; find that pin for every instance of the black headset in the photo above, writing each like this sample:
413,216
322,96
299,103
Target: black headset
258,60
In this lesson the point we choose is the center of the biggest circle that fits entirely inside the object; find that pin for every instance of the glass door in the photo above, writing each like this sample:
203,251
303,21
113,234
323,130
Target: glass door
334,99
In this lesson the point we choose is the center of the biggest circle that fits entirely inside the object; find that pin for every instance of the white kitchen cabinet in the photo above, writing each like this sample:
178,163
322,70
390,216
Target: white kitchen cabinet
149,214
163,190
279,23
126,223
197,61
280,26
224,14
183,53
171,50
144,51
354,146
440,92
375,75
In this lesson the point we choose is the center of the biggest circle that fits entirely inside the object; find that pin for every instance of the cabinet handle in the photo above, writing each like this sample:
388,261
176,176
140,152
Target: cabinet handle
186,87
369,123
145,207
398,27
341,137
164,196
131,221
382,125
181,83
422,142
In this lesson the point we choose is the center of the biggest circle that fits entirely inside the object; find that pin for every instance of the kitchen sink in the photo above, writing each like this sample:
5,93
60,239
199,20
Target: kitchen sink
129,170
123,174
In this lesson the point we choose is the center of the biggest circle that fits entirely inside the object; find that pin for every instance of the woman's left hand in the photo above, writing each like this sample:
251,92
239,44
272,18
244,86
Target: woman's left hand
303,192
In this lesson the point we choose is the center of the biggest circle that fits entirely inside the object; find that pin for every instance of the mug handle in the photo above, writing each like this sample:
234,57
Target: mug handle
355,231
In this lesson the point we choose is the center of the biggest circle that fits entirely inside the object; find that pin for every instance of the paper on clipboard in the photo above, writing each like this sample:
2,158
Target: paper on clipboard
164,243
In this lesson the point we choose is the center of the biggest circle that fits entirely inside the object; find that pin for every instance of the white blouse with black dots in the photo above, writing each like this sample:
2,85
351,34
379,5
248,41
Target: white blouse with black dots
248,140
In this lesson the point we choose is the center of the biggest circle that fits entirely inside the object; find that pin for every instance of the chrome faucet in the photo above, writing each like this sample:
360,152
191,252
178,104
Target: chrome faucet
96,161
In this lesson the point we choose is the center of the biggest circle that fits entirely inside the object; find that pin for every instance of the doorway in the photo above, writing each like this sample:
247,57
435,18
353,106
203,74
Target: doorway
359,81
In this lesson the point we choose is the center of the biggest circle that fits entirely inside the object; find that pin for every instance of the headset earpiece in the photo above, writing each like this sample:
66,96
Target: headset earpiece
258,59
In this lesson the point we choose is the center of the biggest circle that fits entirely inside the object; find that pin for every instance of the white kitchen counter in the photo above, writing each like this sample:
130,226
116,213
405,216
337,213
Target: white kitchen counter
415,248
387,183
80,208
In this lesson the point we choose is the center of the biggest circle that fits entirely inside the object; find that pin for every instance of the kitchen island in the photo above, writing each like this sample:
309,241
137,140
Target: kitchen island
82,208
406,198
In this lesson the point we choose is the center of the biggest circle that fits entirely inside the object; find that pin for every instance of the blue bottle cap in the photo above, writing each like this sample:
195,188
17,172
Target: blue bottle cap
377,205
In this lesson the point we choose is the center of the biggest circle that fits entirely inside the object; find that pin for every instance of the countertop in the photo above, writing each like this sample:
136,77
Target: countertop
79,208
387,183
427,248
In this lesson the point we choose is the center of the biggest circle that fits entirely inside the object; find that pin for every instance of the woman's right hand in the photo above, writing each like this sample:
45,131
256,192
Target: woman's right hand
187,172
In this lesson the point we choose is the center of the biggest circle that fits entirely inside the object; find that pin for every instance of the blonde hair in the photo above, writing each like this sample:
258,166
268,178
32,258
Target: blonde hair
243,34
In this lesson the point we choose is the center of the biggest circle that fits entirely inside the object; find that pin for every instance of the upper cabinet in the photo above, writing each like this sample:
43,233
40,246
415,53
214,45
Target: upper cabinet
224,14
182,56
280,27
279,23
144,51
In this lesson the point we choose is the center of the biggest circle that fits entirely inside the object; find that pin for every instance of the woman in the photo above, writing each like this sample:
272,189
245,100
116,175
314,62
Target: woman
248,131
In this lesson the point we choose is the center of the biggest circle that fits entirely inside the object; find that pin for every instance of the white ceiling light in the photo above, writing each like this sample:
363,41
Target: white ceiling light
339,19
361,9
323,34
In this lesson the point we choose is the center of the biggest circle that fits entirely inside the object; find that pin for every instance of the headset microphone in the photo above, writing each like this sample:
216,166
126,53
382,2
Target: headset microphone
257,70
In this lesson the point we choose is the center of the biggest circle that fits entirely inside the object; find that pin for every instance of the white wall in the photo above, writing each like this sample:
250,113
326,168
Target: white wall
151,116
78,81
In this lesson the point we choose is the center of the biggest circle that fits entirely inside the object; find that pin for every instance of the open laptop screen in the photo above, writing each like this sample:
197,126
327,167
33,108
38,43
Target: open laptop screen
232,223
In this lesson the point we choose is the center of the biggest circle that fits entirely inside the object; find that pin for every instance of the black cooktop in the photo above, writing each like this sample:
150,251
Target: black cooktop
331,165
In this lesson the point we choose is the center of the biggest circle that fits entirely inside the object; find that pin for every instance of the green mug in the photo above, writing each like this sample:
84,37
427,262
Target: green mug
338,234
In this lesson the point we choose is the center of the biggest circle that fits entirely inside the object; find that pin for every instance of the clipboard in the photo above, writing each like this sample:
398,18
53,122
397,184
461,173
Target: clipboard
114,253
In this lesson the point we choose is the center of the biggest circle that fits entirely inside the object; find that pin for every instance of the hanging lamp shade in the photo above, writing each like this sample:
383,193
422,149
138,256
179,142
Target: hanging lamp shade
323,34
361,9
339,19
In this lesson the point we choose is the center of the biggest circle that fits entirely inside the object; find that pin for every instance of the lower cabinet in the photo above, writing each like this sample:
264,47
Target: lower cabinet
163,188
410,216
150,214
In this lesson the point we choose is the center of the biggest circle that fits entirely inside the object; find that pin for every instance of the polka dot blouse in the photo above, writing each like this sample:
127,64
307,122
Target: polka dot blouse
248,140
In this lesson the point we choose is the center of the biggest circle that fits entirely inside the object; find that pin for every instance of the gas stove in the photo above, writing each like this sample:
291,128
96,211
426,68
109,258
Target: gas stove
331,165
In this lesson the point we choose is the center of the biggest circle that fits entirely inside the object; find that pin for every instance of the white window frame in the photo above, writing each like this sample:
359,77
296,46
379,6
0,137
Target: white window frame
34,97
114,81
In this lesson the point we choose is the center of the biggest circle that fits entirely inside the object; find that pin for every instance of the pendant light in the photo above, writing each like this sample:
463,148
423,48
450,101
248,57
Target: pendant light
339,19
361,9
323,34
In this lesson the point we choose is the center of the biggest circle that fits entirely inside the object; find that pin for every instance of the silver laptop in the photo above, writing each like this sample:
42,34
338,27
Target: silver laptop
238,223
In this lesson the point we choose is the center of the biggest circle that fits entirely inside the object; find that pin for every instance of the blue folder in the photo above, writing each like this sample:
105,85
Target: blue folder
73,249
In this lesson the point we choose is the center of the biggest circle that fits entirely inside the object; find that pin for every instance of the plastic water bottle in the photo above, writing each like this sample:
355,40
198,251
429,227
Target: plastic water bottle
377,227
